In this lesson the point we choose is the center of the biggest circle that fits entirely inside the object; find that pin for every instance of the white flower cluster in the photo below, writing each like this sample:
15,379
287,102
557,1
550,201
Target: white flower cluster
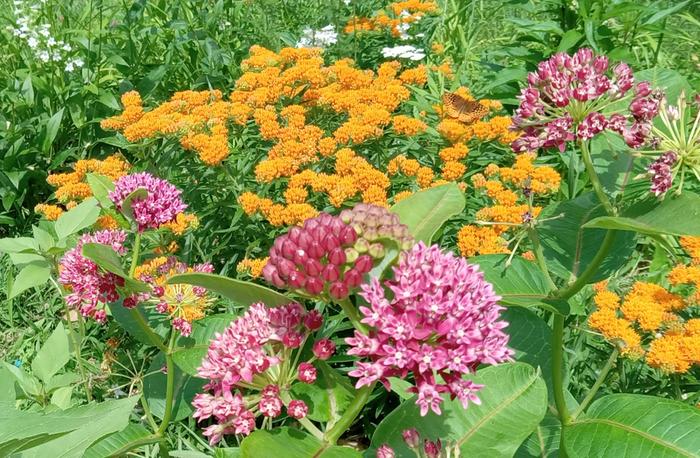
404,52
318,38
404,27
38,37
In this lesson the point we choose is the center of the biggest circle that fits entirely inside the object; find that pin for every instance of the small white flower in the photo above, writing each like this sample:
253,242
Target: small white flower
32,42
404,52
69,66
318,38
43,56
51,41
67,47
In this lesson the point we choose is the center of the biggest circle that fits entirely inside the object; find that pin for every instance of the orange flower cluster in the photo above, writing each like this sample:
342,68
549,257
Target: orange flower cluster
405,12
182,223
251,266
507,204
647,317
50,212
691,245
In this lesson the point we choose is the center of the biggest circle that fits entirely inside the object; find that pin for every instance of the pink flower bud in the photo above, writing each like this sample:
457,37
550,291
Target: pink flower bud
306,373
297,279
289,249
158,291
385,452
313,268
297,409
338,290
285,267
432,449
315,250
270,406
352,278
411,437
337,256
271,390
294,234
292,339
313,320
330,242
313,286
364,264
323,349
130,302
162,307
100,316
331,272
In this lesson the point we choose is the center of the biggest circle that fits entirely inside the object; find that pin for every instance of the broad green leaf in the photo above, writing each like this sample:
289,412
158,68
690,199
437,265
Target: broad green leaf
635,426
616,167
672,82
675,215
108,259
544,441
328,397
241,292
61,398
83,215
520,284
61,433
51,130
185,387
28,383
61,380
118,443
8,394
18,245
426,211
126,319
126,209
513,401
569,40
43,238
101,186
53,355
569,244
291,443
31,276
191,350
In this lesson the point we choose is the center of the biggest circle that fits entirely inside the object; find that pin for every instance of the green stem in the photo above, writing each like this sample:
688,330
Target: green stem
305,422
539,254
170,384
351,413
135,254
147,412
595,181
597,384
353,315
558,368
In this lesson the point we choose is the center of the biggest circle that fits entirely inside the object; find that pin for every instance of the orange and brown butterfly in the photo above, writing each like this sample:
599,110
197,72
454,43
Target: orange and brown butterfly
466,111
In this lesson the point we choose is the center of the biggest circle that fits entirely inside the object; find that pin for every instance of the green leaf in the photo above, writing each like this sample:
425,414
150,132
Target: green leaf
18,245
51,130
61,398
616,167
8,395
328,397
185,387
675,215
31,276
521,284
125,318
108,259
635,426
570,245
659,15
61,433
672,82
241,292
28,383
126,209
43,238
117,444
291,443
513,401
83,215
544,442
53,355
189,357
101,186
426,211
569,40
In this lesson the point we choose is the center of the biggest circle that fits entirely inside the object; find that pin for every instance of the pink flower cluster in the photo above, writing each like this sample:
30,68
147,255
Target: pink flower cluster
313,258
441,318
87,284
661,173
239,359
430,449
161,205
567,98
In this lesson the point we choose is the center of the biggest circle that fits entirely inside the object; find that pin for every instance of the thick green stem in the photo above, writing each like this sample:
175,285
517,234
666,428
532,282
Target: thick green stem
597,384
558,368
595,181
170,384
352,314
353,410
539,255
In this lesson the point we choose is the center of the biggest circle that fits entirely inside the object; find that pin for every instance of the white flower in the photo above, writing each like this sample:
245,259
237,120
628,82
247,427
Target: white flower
69,66
32,42
67,48
51,41
404,52
43,56
318,38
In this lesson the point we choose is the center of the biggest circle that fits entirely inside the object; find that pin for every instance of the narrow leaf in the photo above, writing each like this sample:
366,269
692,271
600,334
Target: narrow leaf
241,292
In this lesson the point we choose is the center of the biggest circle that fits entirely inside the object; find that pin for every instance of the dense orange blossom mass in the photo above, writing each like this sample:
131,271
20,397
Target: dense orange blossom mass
506,188
392,19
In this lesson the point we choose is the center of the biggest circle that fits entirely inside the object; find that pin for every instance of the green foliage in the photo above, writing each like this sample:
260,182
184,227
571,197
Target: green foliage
513,401
291,443
191,350
241,292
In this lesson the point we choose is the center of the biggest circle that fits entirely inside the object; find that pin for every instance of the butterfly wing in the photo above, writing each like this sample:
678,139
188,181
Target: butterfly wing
466,111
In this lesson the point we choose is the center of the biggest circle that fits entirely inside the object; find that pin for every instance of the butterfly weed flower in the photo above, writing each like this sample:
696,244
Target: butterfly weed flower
161,205
88,286
440,322
251,367
577,97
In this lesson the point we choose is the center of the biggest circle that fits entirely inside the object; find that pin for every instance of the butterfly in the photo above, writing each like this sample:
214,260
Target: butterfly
466,111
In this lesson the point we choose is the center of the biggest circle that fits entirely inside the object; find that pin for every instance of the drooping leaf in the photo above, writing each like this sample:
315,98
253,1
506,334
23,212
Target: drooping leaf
241,292
126,209
185,387
635,426
570,245
189,355
118,443
513,401
27,382
53,355
108,259
31,276
129,322
76,219
101,186
291,443
520,284
675,215
426,211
